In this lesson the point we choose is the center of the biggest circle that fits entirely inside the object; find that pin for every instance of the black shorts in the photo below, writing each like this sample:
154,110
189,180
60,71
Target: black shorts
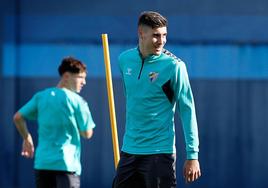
56,179
146,171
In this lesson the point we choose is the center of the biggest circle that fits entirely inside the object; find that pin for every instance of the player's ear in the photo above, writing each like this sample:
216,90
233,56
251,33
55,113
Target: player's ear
140,32
66,75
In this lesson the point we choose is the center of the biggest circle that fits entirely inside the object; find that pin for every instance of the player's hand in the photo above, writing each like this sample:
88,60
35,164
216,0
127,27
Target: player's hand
191,170
28,147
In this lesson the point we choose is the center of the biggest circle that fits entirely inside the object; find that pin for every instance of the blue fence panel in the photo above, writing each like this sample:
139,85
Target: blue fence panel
203,61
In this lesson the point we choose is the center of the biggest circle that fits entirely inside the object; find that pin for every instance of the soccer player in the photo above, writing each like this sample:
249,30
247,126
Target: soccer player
155,83
62,116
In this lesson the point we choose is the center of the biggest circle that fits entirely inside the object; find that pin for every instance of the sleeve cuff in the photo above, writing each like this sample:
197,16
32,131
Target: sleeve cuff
192,155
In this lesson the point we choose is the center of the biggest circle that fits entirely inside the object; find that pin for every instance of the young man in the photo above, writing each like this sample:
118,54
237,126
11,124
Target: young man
155,82
62,116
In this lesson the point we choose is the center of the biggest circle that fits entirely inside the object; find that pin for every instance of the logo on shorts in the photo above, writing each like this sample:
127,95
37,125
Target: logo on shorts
153,76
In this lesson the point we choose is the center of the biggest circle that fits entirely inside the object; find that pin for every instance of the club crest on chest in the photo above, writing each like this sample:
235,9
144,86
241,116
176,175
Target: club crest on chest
153,76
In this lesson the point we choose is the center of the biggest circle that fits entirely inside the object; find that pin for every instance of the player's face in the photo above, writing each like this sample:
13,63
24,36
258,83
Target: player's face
152,41
77,81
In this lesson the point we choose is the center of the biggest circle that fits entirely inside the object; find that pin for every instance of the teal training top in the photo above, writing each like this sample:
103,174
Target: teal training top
153,87
61,114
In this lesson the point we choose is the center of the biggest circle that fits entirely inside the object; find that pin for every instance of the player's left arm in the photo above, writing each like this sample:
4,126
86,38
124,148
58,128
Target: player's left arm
191,170
85,120
87,134
186,108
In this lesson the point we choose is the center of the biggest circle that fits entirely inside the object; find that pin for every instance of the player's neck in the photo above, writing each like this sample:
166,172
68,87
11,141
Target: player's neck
62,84
143,52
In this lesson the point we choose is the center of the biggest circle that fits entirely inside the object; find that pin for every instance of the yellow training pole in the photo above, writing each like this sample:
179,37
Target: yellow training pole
110,97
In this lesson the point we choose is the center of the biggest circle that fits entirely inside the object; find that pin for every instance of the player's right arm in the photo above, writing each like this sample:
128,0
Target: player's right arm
27,146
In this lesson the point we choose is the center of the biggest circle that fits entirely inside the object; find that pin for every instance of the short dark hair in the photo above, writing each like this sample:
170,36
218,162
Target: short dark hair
72,65
152,19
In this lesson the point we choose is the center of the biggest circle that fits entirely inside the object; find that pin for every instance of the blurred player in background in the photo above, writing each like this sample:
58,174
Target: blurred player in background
62,116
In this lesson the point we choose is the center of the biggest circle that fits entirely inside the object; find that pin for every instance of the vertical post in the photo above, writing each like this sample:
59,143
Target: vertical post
110,98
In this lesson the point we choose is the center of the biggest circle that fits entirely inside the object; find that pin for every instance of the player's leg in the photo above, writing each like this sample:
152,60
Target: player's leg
159,170
67,180
126,175
45,179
